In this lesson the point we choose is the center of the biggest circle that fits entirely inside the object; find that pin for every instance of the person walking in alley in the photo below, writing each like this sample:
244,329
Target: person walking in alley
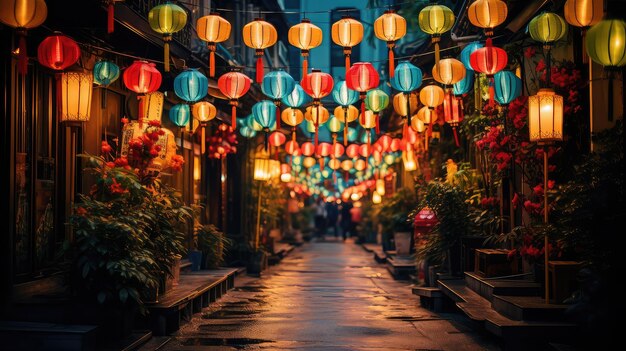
346,220
332,213
319,207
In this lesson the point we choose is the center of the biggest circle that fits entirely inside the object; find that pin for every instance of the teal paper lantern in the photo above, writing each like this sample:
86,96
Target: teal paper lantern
507,87
407,77
251,123
353,134
191,85
180,115
465,55
105,72
296,98
464,85
277,85
264,113
247,132
343,95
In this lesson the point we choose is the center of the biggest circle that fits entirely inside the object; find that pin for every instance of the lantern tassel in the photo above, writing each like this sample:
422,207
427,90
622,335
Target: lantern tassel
321,164
491,91
392,64
259,69
203,140
456,137
233,117
110,17
265,140
22,57
211,63
345,126
436,53
584,47
166,55
345,177
377,125
141,111
362,112
347,62
278,126
305,67
316,135
293,135
317,122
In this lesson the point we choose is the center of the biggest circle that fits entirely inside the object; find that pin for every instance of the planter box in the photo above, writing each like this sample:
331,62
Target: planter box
494,262
402,241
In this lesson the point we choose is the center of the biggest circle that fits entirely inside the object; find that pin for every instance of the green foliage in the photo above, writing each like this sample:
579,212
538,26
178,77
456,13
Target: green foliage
394,211
213,244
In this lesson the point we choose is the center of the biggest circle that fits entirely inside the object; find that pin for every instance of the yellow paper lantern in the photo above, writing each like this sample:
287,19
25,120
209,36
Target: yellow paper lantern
417,124
436,20
431,96
583,13
204,112
305,36
308,162
368,121
213,29
390,27
262,169
259,35
547,28
376,198
606,43
408,160
76,89
545,116
347,165
449,71
380,186
316,114
487,14
400,104
347,32
23,15
167,19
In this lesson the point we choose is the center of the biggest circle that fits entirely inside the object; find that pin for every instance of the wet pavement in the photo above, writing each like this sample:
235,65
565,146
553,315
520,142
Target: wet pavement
325,296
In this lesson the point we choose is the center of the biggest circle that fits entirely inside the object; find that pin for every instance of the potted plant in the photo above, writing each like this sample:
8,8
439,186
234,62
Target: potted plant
394,216
213,244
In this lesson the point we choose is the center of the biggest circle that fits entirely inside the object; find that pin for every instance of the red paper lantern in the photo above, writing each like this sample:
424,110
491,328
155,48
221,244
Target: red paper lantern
337,150
489,60
453,113
385,142
318,85
395,144
142,77
353,150
307,148
277,139
365,150
361,77
324,149
291,147
234,85
58,52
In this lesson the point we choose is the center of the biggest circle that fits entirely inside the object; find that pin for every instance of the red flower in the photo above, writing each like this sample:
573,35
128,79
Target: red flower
117,188
529,52
110,164
540,66
106,148
124,120
121,162
81,211
515,201
177,162
538,190
550,184
154,123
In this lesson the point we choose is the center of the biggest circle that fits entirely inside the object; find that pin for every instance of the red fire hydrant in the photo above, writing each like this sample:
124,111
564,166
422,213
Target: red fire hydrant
424,220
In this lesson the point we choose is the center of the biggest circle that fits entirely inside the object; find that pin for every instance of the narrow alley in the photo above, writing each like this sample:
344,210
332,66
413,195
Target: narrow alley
324,296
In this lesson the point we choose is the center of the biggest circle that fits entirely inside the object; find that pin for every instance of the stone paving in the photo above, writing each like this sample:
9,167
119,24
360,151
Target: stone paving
325,295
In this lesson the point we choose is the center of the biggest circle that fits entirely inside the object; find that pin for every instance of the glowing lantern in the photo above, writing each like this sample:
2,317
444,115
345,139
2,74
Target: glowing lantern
390,27
259,35
316,115
58,52
264,113
180,115
152,106
453,114
417,124
606,43
76,89
408,160
337,150
307,148
467,51
360,165
400,104
487,14
362,77
191,85
277,139
308,162
376,101
296,98
583,13
142,77
318,85
234,85
547,28
347,32
406,79
292,117
365,150
262,169
204,112
431,96
436,20
277,85
489,60
376,198
352,150
285,173
545,116
167,19
448,71
507,86
213,29
105,73
345,97
464,85
305,36
252,123
291,147
334,125
23,15
334,164
347,165
380,186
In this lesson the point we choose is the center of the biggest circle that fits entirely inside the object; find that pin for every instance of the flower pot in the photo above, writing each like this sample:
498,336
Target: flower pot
402,242
257,263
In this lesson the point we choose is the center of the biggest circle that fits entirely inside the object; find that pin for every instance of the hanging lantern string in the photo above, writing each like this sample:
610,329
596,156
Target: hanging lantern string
259,12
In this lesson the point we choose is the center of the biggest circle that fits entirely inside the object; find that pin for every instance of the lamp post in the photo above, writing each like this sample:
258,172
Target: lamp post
545,124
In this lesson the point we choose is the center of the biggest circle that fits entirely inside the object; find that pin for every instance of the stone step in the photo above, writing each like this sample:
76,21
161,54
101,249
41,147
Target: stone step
528,308
488,287
430,297
401,267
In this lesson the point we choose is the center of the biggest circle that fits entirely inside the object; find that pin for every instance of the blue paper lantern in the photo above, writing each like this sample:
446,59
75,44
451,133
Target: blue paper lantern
277,84
464,85
191,85
180,115
296,98
466,52
343,95
105,72
507,86
264,113
407,77
252,124
247,132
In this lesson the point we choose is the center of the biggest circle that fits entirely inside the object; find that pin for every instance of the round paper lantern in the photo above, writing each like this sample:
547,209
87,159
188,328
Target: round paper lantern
58,52
343,95
431,96
247,132
259,35
213,29
305,36
318,85
346,115
23,15
361,77
487,14
417,124
191,85
547,28
390,27
353,150
292,147
401,105
277,139
264,113
407,77
334,164
396,144
296,98
360,165
347,165
347,32
234,85
448,71
308,162
337,150
204,112
453,114
365,150
307,148
507,87
252,123
76,89
334,125
427,115
277,85
436,20
180,115
376,101
606,43
464,85
105,73
142,77
324,149
583,13
292,117
489,60
467,51
167,19
368,121
316,114
385,142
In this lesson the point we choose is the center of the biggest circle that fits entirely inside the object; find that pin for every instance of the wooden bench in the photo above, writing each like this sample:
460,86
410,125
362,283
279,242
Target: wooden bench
194,291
